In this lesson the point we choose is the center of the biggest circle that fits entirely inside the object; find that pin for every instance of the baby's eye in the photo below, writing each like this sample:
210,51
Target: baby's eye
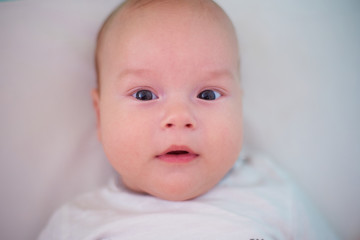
144,95
209,95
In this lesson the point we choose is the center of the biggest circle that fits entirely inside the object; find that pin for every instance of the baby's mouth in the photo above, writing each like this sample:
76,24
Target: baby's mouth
178,154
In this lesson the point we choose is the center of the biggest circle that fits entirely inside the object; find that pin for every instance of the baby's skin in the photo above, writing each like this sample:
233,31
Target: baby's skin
169,101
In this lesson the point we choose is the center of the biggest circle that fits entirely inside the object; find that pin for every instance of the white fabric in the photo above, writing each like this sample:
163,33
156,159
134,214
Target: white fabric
254,201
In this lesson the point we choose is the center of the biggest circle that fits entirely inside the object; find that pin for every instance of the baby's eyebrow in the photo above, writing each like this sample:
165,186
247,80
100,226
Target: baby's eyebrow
210,75
134,71
223,74
131,75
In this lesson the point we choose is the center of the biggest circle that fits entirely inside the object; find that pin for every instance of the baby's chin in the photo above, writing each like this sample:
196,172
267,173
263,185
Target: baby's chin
177,195
172,192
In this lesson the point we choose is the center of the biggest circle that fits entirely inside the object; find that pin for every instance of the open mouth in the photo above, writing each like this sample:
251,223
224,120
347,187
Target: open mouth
177,154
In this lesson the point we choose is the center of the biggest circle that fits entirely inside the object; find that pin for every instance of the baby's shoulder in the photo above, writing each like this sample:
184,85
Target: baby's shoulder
262,190
256,171
76,218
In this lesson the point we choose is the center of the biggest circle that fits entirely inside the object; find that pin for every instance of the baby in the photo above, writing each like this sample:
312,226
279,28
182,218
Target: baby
169,114
169,96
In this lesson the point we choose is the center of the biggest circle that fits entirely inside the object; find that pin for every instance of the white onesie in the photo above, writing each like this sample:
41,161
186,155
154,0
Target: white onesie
254,201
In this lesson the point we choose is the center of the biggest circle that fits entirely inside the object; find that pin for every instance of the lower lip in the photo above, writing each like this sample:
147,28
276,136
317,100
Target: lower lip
181,158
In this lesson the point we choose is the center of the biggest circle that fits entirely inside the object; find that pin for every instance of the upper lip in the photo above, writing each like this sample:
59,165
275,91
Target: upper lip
177,149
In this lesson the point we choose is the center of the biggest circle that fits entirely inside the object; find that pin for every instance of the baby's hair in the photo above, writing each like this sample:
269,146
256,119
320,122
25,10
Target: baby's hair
99,38
126,7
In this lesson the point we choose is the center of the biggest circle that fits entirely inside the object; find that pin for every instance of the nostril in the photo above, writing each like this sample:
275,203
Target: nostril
171,124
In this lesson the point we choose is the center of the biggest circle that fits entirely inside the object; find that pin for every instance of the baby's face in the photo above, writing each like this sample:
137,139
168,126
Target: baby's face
169,109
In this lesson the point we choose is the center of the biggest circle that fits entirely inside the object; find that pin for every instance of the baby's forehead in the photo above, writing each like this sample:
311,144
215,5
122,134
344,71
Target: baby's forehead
146,16
134,10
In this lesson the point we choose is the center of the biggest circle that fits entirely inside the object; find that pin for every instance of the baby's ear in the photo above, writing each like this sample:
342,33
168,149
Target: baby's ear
95,95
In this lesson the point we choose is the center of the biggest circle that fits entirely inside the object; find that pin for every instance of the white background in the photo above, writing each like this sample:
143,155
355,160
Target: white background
301,76
300,71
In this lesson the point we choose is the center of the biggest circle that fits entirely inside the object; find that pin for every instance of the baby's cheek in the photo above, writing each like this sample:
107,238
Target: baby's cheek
228,132
114,134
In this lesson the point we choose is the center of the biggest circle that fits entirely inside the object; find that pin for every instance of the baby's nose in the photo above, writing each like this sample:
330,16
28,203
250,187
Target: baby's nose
179,116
